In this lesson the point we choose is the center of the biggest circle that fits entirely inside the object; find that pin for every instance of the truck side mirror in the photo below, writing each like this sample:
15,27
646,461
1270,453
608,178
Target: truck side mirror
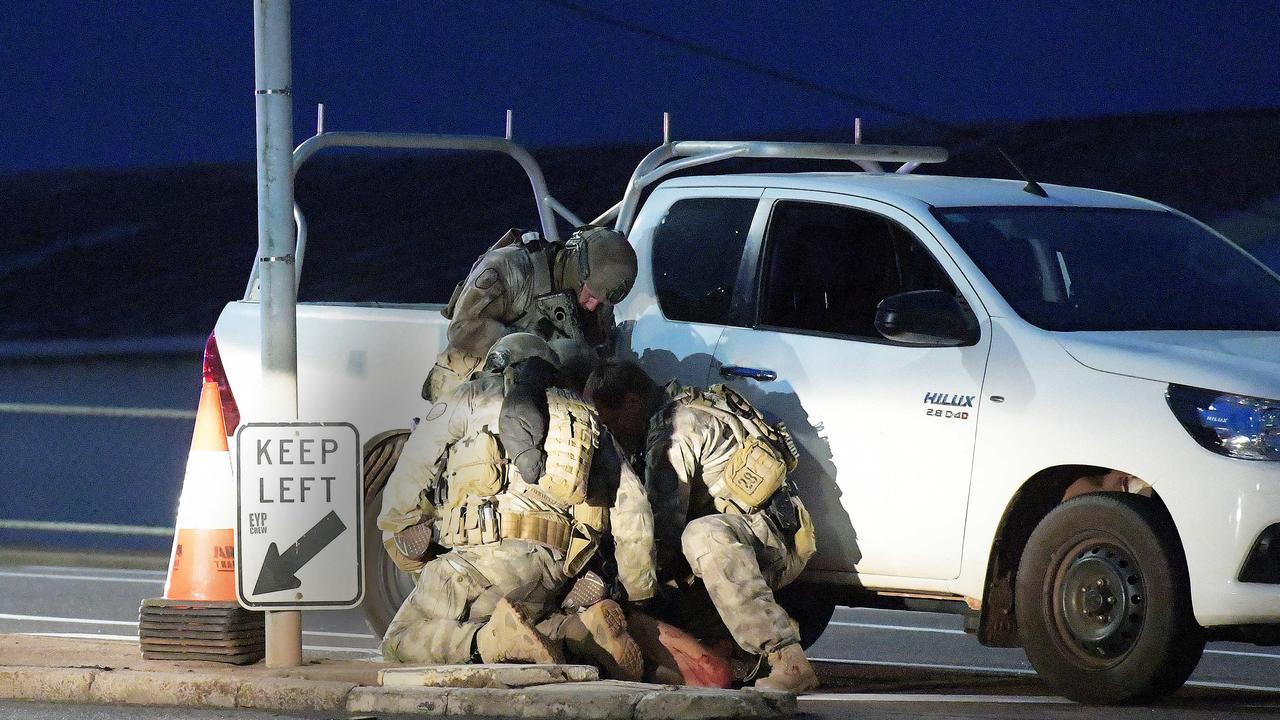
926,317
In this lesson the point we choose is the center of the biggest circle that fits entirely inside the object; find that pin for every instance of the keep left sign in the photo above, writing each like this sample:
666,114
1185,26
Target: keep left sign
300,516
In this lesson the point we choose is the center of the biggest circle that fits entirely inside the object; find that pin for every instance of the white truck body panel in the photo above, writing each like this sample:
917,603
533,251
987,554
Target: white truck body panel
905,500
910,502
362,364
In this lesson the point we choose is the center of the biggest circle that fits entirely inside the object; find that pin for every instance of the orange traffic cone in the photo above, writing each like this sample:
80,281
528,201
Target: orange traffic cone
199,617
202,565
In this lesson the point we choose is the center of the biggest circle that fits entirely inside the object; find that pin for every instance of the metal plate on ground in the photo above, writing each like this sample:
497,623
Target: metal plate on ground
237,659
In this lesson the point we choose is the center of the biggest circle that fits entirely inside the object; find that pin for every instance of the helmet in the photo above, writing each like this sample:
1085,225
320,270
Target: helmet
606,262
516,348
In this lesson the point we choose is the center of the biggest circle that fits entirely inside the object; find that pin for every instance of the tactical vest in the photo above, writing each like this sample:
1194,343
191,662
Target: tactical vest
488,501
766,453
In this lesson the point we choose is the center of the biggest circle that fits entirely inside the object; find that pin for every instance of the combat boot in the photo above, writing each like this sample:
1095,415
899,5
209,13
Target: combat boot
789,669
600,633
508,637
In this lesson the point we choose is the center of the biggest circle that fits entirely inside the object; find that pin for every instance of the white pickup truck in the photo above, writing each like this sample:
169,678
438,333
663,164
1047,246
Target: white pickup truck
1049,409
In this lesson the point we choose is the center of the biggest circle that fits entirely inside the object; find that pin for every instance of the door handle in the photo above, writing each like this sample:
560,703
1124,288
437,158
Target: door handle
736,371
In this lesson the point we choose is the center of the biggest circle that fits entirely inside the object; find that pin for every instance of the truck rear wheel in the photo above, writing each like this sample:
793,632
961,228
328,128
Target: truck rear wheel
1103,602
385,585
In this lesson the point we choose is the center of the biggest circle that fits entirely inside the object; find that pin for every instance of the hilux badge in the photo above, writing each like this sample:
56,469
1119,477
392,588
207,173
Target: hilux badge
948,400
934,398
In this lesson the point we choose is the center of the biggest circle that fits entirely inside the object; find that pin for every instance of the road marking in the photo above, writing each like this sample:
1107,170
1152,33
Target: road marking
81,568
1242,653
81,636
92,636
947,631
76,621
923,698
909,628
928,666
1023,671
133,623
97,411
153,581
104,528
327,633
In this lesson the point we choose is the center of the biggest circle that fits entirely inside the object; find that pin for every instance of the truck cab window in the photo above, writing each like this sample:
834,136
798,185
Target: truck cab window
697,248
827,267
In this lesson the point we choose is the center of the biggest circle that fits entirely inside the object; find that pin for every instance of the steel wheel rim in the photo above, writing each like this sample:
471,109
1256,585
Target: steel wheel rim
1099,601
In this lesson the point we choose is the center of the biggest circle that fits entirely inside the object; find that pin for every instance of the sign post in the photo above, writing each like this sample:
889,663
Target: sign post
273,103
300,515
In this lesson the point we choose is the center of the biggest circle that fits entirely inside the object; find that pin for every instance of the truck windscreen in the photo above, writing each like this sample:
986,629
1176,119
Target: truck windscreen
1082,268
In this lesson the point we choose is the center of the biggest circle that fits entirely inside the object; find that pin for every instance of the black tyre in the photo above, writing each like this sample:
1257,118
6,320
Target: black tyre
385,585
1103,602
810,606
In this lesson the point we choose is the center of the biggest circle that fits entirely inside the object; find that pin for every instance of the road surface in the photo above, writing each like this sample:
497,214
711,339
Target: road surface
874,663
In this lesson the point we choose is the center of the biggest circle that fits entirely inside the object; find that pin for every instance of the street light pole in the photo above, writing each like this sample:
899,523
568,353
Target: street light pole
273,77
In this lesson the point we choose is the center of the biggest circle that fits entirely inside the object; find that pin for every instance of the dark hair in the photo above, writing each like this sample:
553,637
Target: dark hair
613,379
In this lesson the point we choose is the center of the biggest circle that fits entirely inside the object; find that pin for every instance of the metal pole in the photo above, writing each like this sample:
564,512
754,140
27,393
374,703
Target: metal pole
273,76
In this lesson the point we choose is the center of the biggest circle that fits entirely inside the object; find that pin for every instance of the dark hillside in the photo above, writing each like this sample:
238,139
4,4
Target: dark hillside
159,252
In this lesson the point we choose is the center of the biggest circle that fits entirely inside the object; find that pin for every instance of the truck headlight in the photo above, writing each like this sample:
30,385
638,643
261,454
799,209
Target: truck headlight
1233,425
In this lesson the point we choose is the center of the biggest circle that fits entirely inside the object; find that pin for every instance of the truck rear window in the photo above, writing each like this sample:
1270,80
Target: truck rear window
697,248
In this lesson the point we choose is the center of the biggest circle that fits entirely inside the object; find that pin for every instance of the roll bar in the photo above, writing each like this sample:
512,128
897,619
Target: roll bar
547,205
662,162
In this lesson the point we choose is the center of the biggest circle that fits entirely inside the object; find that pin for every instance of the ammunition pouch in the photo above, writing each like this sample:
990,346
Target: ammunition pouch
474,521
573,434
546,528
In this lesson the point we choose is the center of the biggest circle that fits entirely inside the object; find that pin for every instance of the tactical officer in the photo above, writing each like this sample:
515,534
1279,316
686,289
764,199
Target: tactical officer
514,543
716,473
522,283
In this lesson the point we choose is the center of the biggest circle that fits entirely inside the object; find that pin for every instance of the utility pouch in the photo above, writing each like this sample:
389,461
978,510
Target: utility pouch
784,513
475,466
588,526
755,471
805,541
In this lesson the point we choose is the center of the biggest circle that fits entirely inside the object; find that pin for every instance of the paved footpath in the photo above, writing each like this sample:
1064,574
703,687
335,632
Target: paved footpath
112,672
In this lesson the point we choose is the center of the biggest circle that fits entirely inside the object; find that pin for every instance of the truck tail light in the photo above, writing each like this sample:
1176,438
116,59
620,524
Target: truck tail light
214,372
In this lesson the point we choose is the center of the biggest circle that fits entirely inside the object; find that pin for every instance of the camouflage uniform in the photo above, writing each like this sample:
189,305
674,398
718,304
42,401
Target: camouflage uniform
740,554
497,299
456,593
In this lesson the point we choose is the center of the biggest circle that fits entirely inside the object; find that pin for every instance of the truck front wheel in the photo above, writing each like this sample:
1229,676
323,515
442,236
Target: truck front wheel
1103,602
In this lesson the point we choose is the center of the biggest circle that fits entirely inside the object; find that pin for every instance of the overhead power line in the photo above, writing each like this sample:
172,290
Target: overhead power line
754,67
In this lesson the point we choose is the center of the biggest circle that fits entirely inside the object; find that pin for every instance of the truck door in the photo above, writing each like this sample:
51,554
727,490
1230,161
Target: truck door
689,245
886,430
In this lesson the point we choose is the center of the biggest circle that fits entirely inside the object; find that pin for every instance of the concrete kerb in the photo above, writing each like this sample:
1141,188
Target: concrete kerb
257,688
599,700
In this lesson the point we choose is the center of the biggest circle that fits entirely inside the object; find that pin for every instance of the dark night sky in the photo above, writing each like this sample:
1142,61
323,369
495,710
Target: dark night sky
106,83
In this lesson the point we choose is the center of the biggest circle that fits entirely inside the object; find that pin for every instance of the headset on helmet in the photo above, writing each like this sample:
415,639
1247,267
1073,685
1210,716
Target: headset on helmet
580,242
